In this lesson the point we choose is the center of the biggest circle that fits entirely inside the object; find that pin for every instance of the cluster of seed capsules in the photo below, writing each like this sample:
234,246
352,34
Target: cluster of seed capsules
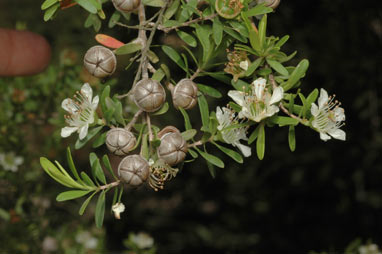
149,95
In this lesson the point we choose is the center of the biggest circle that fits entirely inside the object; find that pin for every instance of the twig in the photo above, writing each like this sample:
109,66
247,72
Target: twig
148,121
110,185
195,144
135,118
285,110
196,73
134,27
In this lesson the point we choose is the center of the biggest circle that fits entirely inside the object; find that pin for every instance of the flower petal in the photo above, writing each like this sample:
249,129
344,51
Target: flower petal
237,96
245,150
95,102
277,95
259,85
337,134
69,105
323,98
87,91
324,136
67,131
83,131
314,109
339,114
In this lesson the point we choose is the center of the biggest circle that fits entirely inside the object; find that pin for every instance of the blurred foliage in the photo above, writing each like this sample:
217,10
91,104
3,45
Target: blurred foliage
320,198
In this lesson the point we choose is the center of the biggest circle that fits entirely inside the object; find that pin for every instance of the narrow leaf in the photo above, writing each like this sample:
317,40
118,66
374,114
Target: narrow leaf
217,29
258,10
174,56
128,48
297,74
80,143
108,41
292,138
187,38
85,204
260,144
278,67
204,112
100,210
106,162
71,165
73,194
187,123
48,3
188,134
209,91
231,153
211,158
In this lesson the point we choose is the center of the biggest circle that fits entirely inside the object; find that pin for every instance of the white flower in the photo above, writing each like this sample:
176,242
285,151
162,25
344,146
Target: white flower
259,102
11,162
369,249
328,117
244,65
118,208
226,118
85,238
81,112
142,240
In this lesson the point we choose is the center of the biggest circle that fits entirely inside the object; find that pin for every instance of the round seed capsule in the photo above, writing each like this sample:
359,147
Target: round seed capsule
120,141
149,95
100,61
126,5
270,3
173,148
134,170
185,94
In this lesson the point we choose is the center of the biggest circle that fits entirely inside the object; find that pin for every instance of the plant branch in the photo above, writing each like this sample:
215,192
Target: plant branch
135,118
148,121
196,73
110,185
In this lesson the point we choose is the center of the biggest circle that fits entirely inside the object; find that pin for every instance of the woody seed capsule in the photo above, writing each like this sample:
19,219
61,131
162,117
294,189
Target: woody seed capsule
134,170
149,95
120,141
185,94
126,5
270,3
173,148
100,61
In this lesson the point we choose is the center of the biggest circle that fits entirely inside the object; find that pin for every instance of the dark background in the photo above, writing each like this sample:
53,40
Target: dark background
320,197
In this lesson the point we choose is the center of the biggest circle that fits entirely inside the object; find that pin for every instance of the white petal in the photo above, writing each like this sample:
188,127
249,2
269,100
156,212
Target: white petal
237,96
245,150
244,65
324,136
314,110
277,95
271,110
95,102
323,98
84,131
67,131
338,134
19,160
339,114
87,91
259,85
69,105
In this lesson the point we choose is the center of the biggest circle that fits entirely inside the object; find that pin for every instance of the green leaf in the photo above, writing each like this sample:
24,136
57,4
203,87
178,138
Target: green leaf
87,5
278,67
118,113
100,140
253,35
209,91
145,146
51,11
262,31
104,95
96,166
73,194
211,168
100,210
114,19
231,153
171,10
282,41
162,110
211,158
240,85
204,112
187,123
152,56
193,153
106,162
80,143
71,165
54,172
85,204
253,66
87,179
203,34
234,106
187,38
297,74
174,56
172,23
217,31
311,98
232,32
158,75
48,3
258,10
304,105
260,144
254,135
189,134
283,120
292,138
128,48
154,3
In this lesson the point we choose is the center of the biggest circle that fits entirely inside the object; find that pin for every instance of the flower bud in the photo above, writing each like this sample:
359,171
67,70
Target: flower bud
185,94
149,95
270,3
134,170
120,141
100,61
173,148
228,9
126,5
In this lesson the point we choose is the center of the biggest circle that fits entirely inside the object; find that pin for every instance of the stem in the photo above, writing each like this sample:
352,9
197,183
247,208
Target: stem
168,29
142,35
110,185
135,118
282,107
148,120
197,143
196,73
